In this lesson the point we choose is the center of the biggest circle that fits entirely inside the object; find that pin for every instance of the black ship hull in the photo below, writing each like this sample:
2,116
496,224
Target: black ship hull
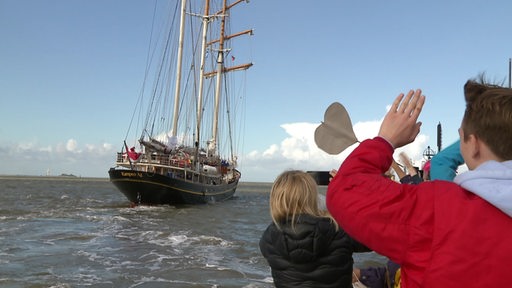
143,188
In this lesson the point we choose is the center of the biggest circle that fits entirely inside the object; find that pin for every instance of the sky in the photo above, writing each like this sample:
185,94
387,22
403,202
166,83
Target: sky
70,71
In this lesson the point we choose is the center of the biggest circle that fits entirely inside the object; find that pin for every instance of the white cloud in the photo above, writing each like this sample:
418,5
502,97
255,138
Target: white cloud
71,145
270,152
299,151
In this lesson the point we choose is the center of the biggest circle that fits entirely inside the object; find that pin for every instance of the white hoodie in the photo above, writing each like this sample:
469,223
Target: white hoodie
492,181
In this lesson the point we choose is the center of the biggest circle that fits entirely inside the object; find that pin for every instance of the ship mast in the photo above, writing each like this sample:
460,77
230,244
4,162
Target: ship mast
206,20
178,69
220,69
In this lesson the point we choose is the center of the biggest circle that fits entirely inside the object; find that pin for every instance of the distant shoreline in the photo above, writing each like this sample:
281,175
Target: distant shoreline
62,177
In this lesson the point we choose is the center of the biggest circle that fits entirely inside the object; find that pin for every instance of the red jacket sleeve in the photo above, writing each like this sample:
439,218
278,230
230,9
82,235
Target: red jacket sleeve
388,217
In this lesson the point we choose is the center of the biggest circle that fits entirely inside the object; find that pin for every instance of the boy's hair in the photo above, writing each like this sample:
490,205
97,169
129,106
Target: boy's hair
488,116
293,193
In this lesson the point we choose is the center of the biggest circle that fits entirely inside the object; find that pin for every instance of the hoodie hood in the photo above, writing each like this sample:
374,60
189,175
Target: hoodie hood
492,181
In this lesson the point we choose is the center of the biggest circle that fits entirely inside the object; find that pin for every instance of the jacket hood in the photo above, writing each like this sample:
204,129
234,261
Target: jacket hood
492,181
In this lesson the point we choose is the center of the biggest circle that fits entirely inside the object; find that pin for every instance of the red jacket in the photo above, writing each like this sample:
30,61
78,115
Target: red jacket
440,234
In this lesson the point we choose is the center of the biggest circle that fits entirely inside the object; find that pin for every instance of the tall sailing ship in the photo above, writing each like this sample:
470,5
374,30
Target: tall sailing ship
185,151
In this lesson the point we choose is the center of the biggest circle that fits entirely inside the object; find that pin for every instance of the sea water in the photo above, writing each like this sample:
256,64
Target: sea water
73,232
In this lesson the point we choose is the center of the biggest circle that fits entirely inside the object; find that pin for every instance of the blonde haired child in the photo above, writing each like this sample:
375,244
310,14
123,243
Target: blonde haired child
303,245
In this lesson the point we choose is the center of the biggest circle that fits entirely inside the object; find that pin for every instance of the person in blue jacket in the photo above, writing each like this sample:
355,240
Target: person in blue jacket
444,164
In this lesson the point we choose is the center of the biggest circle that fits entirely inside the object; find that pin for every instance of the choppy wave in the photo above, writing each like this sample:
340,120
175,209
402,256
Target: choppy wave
79,233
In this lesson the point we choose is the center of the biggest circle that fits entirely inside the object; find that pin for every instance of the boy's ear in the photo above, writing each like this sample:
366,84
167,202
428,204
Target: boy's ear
474,146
